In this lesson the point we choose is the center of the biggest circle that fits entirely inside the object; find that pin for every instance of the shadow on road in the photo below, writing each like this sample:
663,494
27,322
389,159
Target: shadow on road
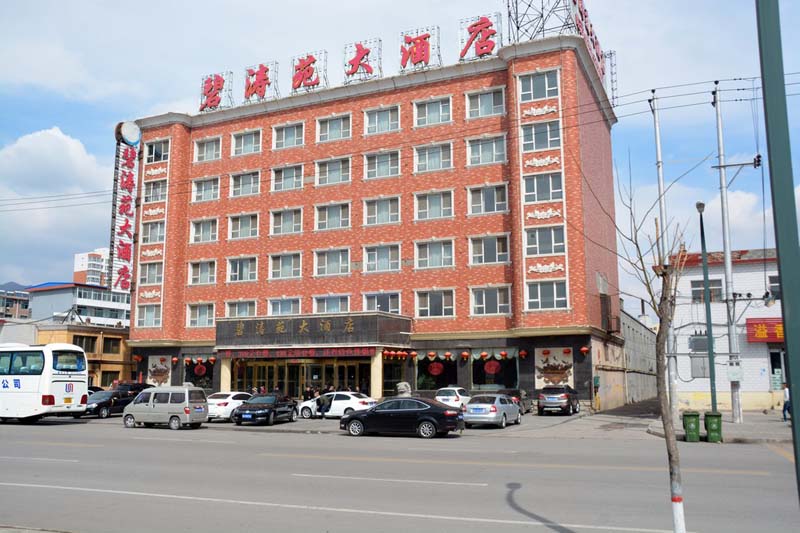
512,488
646,409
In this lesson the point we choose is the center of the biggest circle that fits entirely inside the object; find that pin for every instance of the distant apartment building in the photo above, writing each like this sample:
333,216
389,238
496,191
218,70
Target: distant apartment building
14,304
79,302
91,267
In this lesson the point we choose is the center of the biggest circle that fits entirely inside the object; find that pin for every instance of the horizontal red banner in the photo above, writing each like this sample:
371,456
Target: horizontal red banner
764,330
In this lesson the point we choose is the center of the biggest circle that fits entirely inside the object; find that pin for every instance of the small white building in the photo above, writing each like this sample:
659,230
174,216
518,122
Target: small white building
91,267
759,330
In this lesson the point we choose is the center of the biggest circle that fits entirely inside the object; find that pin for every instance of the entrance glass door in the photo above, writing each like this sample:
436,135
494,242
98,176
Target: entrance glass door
292,381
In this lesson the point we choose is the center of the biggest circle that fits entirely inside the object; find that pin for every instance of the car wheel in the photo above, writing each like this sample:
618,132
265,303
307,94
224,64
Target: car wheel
355,428
503,422
426,429
305,412
175,423
293,418
518,421
103,412
129,421
271,418
348,410
237,422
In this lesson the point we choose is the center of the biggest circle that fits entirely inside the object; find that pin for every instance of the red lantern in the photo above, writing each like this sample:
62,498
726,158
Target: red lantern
137,358
503,355
484,355
188,360
545,352
414,354
491,367
386,353
200,370
523,354
163,359
199,360
584,350
431,355
174,360
447,355
464,355
402,355
567,350
212,360
435,369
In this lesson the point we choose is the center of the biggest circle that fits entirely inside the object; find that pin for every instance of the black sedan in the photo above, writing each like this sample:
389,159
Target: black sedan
265,409
106,403
411,416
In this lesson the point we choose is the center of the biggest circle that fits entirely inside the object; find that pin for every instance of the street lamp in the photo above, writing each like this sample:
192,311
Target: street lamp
707,299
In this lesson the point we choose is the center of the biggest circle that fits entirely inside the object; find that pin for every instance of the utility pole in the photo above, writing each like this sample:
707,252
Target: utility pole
733,344
712,371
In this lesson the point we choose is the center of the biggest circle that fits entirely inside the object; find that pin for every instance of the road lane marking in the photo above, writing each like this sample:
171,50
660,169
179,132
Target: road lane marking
300,507
65,444
424,482
166,439
780,451
14,458
455,450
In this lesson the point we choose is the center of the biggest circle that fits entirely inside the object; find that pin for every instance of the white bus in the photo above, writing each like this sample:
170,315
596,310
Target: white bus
42,380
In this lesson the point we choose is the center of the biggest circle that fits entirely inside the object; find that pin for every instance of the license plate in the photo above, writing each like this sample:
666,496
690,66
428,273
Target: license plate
552,398
247,416
198,409
477,410
67,400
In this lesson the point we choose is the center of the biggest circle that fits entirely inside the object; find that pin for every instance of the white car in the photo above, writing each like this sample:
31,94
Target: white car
453,396
341,403
222,404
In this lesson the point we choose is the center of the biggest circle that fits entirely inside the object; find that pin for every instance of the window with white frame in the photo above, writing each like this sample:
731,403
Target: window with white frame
288,136
388,302
383,165
158,151
287,221
333,216
285,266
241,309
541,136
544,241
714,287
383,120
204,230
433,157
244,184
489,250
155,191
284,306
332,304
538,86
434,205
382,258
381,211
243,226
486,104
287,178
547,295
435,303
333,262
543,188
153,232
489,199
201,315
208,150
333,129
148,316
205,190
151,273
491,301
242,269
202,273
486,151
435,254
334,171
433,112
247,143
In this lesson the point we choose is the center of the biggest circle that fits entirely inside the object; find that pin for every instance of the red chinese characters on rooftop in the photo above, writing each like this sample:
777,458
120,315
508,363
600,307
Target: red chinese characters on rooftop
480,34
417,50
360,61
212,92
256,82
305,73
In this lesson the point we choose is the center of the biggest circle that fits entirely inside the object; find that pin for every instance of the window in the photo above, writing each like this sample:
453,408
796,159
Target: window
715,288
383,120
201,315
151,273
285,266
243,226
383,165
284,306
433,158
333,216
547,295
148,316
241,309
177,397
204,231
383,211
332,129
244,184
545,241
538,86
388,302
111,345
332,304
158,152
486,104
489,250
486,151
775,287
86,342
247,143
543,188
491,301
541,136
108,377
160,397
287,179
336,171
492,379
436,254
22,363
152,232
382,258
333,262
287,221
143,397
242,269
492,199
288,136
433,112
435,303
155,191
208,150
205,190
203,272
434,205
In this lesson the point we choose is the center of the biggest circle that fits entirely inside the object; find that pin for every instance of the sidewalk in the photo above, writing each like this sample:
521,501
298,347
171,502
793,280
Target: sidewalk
755,428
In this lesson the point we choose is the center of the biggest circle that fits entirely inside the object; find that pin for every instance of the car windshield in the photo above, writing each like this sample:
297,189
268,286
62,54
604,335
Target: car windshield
219,396
268,399
554,390
446,392
99,396
482,399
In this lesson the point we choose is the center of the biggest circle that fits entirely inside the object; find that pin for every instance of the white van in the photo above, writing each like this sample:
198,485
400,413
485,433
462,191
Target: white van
175,406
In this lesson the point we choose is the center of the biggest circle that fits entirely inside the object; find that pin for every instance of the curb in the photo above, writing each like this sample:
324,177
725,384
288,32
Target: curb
679,435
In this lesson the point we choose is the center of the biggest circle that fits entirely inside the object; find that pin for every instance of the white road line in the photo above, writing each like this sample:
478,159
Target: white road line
14,458
421,481
455,450
185,440
475,520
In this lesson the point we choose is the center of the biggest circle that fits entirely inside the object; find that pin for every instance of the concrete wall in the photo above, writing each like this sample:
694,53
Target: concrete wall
640,358
47,304
17,332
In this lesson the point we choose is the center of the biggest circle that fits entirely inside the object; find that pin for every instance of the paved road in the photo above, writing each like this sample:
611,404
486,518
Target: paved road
600,473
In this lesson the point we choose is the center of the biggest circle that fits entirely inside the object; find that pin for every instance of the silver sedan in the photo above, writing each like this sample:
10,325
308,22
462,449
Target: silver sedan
494,409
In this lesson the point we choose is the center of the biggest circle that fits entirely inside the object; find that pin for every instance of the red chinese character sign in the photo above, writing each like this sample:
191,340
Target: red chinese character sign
123,215
261,82
362,61
419,49
480,37
764,330
309,71
215,92
586,30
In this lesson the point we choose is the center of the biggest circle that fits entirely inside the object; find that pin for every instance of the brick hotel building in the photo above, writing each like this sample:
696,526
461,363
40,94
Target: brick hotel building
446,226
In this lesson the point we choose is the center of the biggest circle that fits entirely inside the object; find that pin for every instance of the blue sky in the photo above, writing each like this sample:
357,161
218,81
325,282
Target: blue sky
60,96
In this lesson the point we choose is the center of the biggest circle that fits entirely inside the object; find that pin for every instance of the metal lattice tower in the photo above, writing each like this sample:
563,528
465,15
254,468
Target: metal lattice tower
611,60
536,19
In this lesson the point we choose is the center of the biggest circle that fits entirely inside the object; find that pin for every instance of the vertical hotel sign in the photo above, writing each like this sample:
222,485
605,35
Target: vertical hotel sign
123,214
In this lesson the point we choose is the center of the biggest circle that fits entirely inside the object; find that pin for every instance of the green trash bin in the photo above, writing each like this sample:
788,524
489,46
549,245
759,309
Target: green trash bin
691,425
713,423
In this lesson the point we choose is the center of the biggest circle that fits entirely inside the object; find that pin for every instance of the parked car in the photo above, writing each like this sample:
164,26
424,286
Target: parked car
266,409
94,388
561,398
222,404
175,406
341,403
520,397
453,396
131,388
411,416
495,409
106,403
